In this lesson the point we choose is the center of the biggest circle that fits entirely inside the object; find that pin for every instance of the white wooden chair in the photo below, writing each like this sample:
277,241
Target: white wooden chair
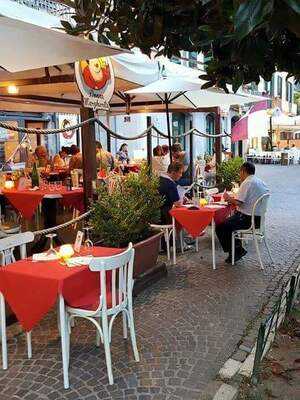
167,231
110,303
7,247
10,227
253,233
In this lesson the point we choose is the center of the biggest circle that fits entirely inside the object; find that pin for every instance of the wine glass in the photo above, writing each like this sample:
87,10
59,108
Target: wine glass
51,251
88,242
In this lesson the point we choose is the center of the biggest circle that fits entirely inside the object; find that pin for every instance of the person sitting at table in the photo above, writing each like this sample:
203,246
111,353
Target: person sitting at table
160,162
104,158
39,156
59,160
250,190
165,150
168,189
179,155
122,154
76,158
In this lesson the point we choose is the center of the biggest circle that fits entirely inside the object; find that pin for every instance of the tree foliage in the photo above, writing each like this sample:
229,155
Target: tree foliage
243,39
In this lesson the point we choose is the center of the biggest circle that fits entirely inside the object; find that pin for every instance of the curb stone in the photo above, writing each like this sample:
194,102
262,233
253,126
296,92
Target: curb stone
226,392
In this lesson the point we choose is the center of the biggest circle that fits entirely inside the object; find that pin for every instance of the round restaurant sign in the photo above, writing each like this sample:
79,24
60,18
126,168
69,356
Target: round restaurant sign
96,82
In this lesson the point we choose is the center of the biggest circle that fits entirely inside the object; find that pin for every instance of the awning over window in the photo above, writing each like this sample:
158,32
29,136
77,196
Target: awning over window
240,130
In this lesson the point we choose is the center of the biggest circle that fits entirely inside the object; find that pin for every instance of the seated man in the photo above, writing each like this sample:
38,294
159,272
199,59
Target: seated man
250,190
168,189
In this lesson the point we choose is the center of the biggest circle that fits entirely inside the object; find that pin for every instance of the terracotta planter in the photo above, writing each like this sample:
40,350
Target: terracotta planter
146,254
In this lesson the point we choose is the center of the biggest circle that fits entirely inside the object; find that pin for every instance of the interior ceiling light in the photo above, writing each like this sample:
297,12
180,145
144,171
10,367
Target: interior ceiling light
12,89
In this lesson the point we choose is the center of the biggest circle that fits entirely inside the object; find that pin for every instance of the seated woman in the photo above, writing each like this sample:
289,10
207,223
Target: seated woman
122,154
160,162
39,156
59,160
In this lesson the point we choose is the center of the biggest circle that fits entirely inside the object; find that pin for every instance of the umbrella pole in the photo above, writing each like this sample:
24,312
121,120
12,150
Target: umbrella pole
168,126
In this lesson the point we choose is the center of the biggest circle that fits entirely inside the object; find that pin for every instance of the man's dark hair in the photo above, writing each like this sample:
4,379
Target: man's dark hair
249,168
175,166
74,149
176,147
98,145
157,151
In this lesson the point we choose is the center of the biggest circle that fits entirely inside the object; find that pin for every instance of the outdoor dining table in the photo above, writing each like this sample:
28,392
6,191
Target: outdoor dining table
32,288
26,201
195,221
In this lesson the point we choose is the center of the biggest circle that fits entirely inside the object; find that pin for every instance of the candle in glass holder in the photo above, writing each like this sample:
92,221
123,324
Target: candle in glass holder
66,251
203,202
9,184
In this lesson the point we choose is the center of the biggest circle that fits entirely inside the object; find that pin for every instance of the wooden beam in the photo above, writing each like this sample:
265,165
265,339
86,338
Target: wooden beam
88,155
40,99
218,143
66,78
149,144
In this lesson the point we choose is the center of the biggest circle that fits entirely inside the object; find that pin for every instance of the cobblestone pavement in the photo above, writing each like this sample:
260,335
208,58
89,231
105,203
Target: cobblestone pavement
187,324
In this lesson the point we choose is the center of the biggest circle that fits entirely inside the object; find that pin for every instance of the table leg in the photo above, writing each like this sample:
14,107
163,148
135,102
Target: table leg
3,331
174,240
213,242
63,335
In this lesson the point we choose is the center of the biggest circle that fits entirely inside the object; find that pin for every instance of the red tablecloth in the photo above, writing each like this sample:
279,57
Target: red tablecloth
26,201
31,288
195,221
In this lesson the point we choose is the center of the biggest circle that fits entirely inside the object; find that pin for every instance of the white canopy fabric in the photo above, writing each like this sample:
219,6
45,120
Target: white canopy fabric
188,93
26,46
136,68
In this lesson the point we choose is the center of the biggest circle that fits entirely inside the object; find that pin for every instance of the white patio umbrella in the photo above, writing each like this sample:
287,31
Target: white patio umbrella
188,93
25,46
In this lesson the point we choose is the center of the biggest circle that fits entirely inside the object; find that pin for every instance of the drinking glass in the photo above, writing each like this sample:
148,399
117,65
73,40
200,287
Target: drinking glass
51,251
88,242
58,185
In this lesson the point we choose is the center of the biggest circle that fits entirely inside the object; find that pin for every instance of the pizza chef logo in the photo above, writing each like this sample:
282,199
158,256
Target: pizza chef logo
95,80
68,134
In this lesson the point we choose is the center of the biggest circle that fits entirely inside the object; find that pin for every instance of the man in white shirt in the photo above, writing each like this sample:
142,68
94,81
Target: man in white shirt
250,190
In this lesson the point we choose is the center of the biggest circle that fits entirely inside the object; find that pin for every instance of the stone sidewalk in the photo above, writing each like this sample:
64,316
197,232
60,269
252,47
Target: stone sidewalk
187,324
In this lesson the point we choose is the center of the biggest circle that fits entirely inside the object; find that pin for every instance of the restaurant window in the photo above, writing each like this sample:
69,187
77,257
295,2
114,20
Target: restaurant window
283,135
279,86
289,92
253,87
192,56
272,86
176,60
210,128
178,127
297,135
267,87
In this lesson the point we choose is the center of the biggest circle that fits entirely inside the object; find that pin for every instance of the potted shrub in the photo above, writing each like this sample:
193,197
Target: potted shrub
228,172
123,213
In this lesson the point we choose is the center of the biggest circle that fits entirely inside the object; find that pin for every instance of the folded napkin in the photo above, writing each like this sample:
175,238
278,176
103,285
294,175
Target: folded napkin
44,257
77,261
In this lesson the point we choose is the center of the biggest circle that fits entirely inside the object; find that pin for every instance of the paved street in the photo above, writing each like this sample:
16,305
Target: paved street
187,324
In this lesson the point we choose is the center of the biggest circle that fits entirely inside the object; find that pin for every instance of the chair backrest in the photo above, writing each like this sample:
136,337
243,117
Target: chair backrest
121,267
8,244
262,204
